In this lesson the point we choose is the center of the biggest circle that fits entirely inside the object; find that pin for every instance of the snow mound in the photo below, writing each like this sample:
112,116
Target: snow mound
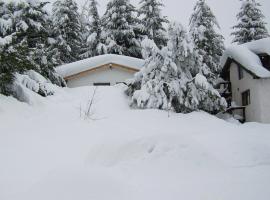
48,152
261,46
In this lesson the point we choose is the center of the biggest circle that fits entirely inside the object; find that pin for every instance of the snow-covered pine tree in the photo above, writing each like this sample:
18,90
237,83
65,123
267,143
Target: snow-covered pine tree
13,58
251,24
168,80
23,41
183,49
152,87
119,24
208,42
94,42
31,23
153,21
13,55
67,30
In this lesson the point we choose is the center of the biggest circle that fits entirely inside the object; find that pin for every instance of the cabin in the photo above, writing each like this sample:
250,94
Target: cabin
103,70
246,71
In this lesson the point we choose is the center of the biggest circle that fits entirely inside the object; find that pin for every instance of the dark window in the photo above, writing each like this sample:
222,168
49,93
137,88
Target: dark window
102,84
265,59
240,73
246,98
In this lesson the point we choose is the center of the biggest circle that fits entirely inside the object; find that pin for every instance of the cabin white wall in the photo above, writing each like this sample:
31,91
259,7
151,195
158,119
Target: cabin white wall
259,108
264,90
254,110
104,75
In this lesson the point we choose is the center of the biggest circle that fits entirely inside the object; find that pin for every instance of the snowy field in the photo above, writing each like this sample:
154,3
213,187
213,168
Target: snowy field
49,152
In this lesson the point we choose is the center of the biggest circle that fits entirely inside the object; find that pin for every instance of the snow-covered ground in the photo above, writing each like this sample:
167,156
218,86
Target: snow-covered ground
49,152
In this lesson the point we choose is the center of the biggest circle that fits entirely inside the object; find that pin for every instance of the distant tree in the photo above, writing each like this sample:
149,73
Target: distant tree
208,43
153,21
119,25
251,24
67,30
94,42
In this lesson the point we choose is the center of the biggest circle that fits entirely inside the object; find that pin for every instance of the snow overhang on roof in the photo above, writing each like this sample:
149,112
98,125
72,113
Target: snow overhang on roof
247,56
97,61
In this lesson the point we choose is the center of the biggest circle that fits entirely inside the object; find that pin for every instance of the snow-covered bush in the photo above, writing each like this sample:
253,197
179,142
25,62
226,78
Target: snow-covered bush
31,81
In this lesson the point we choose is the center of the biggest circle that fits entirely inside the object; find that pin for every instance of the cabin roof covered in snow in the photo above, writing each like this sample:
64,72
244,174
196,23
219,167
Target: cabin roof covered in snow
97,61
247,56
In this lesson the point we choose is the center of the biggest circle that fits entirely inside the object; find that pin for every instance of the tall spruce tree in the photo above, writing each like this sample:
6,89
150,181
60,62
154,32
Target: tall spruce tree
119,26
67,30
153,21
94,42
251,25
208,43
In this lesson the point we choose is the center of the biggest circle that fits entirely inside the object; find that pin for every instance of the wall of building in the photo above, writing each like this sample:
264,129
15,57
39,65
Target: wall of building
103,75
263,86
259,108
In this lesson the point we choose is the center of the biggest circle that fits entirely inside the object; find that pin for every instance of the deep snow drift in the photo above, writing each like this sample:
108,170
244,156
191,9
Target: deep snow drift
49,152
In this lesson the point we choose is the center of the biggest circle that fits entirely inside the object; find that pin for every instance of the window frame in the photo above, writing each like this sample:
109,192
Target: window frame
240,73
246,100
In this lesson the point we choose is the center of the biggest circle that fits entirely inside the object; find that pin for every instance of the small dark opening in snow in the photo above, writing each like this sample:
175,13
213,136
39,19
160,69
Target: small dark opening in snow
102,84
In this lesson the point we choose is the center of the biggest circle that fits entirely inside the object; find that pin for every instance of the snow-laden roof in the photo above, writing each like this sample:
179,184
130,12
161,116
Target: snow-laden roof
247,56
90,63
260,46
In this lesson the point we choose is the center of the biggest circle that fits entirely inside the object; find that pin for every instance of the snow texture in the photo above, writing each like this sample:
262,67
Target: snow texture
261,46
29,82
246,55
86,64
48,153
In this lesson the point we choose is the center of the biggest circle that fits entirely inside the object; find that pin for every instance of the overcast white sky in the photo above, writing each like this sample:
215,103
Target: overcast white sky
180,10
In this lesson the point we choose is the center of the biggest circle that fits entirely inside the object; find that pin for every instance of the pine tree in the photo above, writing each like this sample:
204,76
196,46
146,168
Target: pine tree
184,54
153,21
93,31
66,30
23,42
13,54
250,23
32,23
119,24
168,81
208,43
155,80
